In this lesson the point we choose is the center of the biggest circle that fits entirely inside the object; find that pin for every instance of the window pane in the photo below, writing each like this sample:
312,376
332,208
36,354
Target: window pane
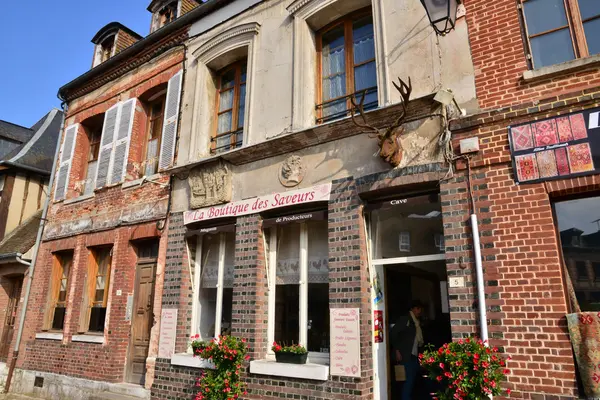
288,254
97,317
208,310
287,314
90,177
59,318
592,35
226,312
318,253
228,79
334,110
589,8
151,157
580,240
242,106
229,259
334,64
407,229
244,71
224,123
318,317
365,77
364,43
226,100
543,15
103,259
553,48
210,261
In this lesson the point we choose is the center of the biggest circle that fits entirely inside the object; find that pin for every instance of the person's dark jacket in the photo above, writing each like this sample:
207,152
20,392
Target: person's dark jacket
402,336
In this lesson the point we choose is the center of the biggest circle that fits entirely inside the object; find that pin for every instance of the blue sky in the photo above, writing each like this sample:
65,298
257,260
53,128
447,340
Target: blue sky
47,44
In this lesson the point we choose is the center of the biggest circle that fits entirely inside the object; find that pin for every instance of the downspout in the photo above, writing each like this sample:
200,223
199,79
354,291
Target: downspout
21,261
32,264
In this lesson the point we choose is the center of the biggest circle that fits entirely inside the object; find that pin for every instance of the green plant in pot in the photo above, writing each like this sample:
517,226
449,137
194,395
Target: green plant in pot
294,354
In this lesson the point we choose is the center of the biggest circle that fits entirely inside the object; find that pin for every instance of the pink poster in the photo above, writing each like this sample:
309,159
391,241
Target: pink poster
345,342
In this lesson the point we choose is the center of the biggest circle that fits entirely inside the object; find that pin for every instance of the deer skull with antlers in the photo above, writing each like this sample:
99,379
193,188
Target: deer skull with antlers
390,148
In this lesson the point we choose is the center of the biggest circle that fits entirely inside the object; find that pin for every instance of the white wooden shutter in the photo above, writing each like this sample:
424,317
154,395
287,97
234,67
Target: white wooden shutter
106,145
169,133
64,169
122,140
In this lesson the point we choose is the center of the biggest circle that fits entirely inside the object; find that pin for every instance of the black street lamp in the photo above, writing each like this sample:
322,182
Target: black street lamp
442,14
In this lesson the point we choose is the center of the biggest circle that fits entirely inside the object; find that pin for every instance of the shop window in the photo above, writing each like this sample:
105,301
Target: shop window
215,284
231,108
93,130
346,52
581,260
407,227
561,30
95,296
59,286
298,255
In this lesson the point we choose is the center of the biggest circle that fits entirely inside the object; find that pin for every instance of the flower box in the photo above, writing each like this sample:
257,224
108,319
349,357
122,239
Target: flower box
290,358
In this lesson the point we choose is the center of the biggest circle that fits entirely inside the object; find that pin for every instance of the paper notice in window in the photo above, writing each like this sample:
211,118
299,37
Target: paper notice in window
345,342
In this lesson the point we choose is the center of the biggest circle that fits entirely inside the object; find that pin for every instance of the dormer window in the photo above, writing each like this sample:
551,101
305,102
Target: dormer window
107,48
168,13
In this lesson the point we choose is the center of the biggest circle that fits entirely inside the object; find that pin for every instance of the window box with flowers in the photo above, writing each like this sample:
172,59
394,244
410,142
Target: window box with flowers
294,354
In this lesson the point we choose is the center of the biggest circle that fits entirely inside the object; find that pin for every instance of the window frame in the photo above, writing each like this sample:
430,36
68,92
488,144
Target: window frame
162,96
196,306
56,279
107,48
89,297
574,24
347,21
235,107
315,357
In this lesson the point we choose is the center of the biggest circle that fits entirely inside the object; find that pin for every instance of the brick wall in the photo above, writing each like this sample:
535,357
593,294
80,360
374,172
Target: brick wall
499,59
94,361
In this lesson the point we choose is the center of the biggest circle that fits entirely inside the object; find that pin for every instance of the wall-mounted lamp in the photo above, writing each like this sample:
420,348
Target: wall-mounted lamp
442,14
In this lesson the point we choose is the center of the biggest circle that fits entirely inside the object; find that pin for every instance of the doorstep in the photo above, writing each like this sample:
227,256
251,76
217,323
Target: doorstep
315,372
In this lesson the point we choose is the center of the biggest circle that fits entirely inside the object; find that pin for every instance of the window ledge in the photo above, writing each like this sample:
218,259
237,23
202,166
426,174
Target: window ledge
138,182
562,68
80,198
49,335
316,372
188,360
88,338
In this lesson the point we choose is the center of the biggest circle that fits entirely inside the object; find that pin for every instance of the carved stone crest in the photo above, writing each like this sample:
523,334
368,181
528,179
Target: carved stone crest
292,171
209,185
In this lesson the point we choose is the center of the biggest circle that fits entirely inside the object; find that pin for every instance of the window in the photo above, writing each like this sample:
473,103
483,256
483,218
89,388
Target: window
231,108
347,66
404,241
96,292
156,112
299,276
582,270
168,13
561,30
107,48
214,284
59,286
93,129
440,242
596,268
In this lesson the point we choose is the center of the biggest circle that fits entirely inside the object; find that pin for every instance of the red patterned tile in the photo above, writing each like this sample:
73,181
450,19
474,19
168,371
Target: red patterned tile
562,162
564,129
578,126
527,169
521,137
546,164
580,158
545,133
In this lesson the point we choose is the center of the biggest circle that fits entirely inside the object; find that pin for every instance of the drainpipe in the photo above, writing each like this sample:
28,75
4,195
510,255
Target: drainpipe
21,261
32,264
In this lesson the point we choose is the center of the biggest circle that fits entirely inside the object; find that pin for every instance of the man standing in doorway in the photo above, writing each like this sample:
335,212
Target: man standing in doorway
406,337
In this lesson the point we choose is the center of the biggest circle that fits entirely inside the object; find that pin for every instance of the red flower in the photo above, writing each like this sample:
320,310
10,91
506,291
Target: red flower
439,378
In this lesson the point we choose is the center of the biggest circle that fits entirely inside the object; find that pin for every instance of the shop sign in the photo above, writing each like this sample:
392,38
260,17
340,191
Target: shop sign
296,218
556,148
168,331
260,204
345,342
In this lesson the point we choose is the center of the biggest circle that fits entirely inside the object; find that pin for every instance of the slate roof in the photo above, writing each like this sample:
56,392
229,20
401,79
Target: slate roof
37,154
15,132
22,238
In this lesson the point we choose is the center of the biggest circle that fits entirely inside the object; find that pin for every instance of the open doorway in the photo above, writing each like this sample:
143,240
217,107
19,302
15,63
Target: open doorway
406,284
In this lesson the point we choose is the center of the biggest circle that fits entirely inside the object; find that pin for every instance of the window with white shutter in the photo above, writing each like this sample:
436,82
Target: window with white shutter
122,140
64,169
106,145
169,134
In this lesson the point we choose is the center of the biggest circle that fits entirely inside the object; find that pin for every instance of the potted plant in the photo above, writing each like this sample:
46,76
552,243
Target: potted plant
467,369
198,345
294,354
224,382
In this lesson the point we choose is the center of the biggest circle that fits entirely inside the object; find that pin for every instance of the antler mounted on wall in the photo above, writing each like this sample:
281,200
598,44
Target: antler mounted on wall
390,148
